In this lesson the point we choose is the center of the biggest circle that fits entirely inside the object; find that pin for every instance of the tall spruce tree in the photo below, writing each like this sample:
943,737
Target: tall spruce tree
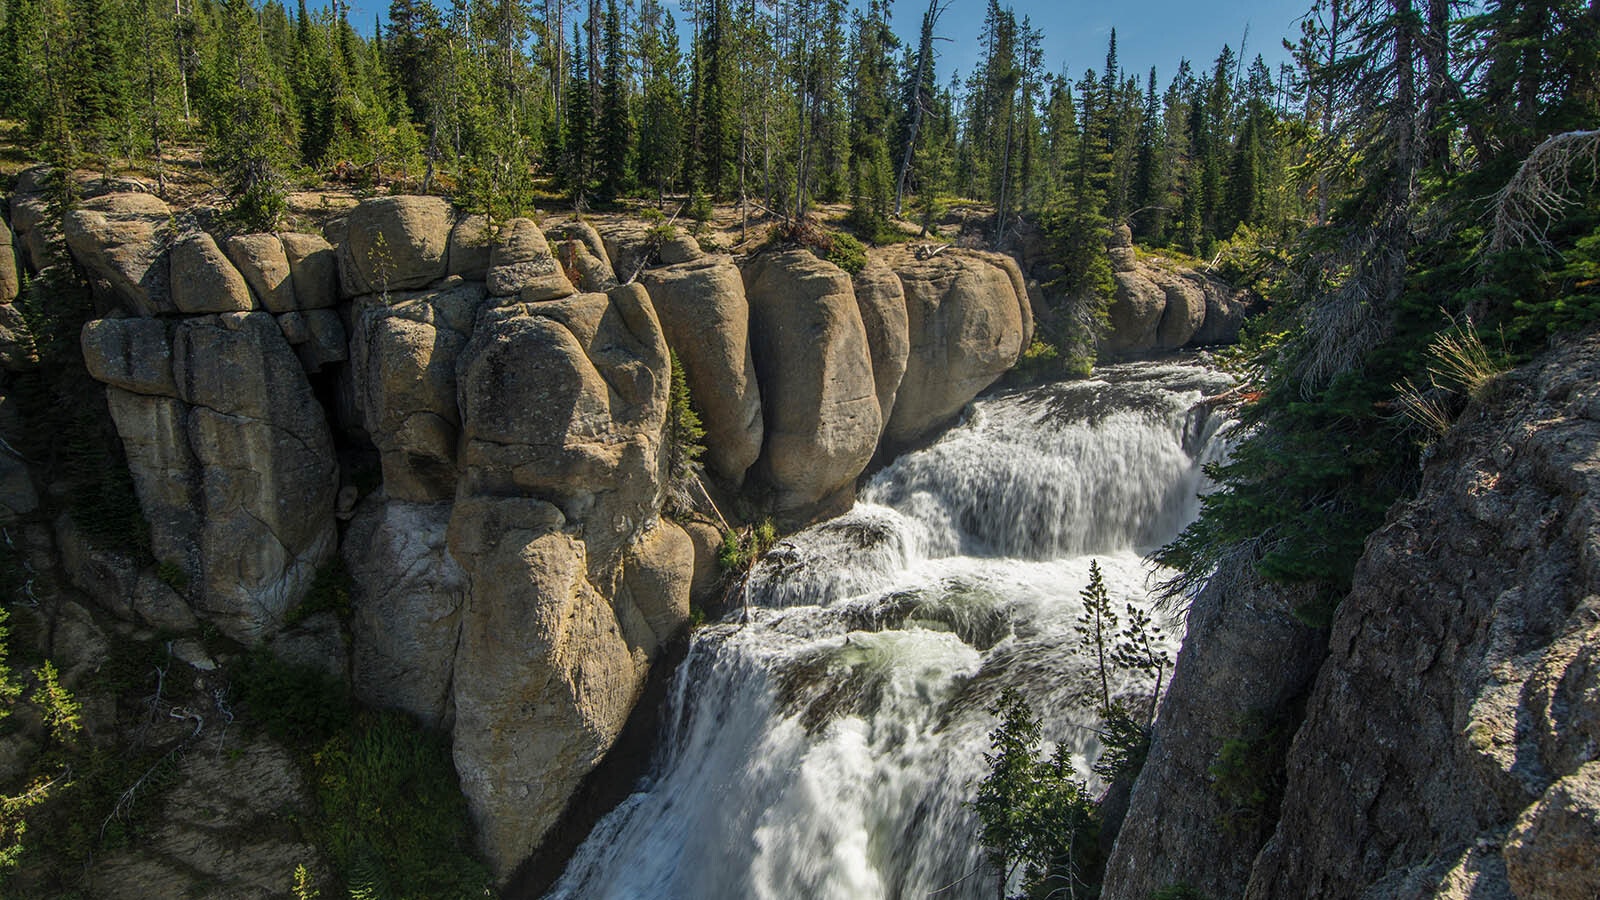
615,132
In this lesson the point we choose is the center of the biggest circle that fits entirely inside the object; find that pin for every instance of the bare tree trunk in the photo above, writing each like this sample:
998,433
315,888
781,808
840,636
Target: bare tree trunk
1327,109
183,58
924,50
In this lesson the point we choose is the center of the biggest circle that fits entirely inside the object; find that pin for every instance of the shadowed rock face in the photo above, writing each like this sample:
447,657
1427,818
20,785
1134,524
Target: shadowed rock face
230,454
1244,655
1450,734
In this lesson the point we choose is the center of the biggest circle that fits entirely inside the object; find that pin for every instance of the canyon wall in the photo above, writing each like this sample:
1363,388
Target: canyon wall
1445,727
470,418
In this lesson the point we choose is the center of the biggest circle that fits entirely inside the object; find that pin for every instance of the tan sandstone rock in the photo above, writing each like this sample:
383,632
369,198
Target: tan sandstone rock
405,355
544,679
706,318
265,468
132,354
882,301
119,239
820,402
313,270
966,323
1184,313
566,401
10,283
658,570
1135,313
522,264
405,606
260,258
203,280
395,244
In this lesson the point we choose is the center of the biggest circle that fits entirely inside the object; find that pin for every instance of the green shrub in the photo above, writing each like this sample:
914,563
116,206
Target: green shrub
1034,812
740,549
172,575
685,442
699,207
847,253
392,817
298,705
1126,740
329,592
661,232
1177,892
1248,773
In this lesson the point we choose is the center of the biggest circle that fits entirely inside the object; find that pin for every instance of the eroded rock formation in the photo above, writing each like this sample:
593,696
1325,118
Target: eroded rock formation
512,576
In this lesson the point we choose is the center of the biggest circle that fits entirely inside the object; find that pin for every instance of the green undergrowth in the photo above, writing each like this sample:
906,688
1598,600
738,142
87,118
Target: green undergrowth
329,592
1248,775
740,549
389,814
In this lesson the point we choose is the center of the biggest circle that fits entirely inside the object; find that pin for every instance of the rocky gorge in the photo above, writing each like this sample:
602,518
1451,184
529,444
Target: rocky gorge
469,418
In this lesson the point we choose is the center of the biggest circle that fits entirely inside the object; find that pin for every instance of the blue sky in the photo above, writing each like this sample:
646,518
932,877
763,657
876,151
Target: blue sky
1149,32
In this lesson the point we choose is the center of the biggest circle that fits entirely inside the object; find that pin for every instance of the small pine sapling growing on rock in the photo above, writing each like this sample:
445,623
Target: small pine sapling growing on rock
685,442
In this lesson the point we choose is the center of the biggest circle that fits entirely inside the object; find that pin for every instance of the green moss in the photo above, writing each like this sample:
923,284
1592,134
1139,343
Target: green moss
1177,892
1248,772
172,575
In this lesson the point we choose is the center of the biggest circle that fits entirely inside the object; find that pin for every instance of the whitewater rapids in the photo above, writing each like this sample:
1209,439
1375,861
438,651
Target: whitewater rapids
828,746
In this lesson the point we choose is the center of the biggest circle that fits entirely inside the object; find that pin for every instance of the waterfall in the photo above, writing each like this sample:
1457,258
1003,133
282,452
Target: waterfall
828,747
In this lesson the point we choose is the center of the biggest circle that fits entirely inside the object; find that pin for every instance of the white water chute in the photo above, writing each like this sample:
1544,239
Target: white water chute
828,748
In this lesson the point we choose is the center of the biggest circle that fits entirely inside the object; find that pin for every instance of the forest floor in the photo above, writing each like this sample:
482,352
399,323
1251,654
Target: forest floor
182,179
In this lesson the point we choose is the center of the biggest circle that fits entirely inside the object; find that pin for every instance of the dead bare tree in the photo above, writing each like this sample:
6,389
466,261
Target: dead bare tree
930,20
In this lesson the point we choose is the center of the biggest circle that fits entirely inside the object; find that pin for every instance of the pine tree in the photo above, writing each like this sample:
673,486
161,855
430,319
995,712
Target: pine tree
578,140
869,122
99,112
661,132
918,95
249,117
1097,626
714,116
615,135
1149,188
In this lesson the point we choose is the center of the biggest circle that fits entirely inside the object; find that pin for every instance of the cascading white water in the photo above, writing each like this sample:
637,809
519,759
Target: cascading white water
828,747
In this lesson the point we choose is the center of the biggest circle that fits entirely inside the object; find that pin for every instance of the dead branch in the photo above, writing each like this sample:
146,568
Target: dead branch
1542,188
